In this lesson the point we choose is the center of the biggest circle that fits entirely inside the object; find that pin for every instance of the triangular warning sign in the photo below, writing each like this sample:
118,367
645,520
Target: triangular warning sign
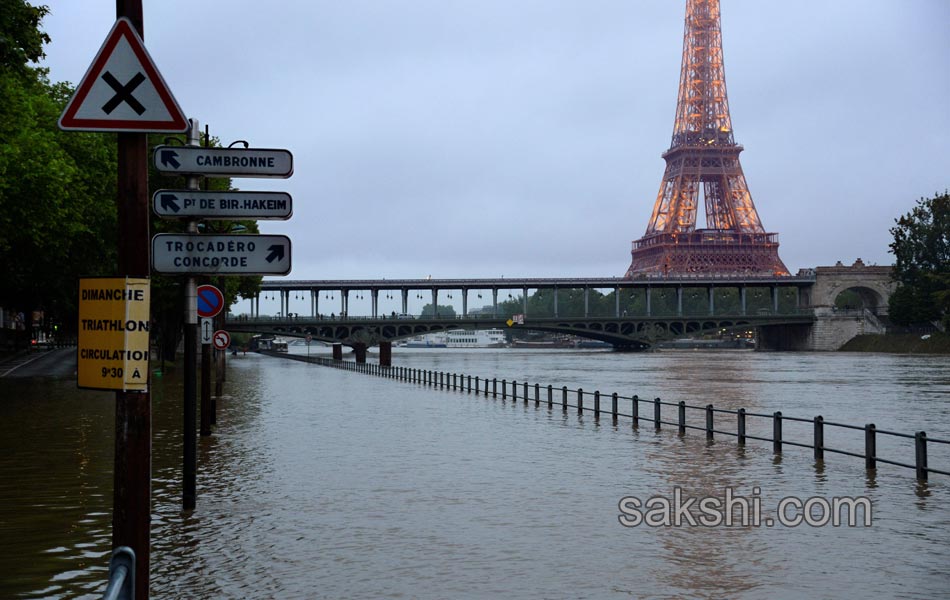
123,90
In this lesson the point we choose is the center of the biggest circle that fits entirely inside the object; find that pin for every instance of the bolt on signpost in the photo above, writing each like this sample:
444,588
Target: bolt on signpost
123,92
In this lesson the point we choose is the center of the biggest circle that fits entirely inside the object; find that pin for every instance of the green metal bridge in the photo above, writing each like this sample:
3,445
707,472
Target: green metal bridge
625,333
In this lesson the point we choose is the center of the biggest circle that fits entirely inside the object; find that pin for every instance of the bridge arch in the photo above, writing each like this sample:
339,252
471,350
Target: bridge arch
860,297
871,284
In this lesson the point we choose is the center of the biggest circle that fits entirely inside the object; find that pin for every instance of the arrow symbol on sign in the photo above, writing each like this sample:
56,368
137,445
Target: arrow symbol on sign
168,158
207,328
168,202
276,252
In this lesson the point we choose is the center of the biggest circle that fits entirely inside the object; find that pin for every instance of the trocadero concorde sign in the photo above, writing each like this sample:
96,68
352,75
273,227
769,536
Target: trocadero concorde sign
191,253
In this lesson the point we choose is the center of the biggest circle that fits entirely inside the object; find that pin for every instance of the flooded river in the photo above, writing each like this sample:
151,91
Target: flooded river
323,483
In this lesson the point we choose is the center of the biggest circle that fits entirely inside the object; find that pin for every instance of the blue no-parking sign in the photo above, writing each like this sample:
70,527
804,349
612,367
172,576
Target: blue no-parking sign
210,301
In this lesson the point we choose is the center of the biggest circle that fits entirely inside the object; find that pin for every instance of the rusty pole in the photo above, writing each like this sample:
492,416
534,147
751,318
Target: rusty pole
132,477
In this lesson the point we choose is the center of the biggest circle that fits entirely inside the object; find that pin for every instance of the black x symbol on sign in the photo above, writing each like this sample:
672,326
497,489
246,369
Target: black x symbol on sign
123,93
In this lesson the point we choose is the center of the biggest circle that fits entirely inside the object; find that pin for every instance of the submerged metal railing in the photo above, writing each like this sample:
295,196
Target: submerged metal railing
121,575
741,417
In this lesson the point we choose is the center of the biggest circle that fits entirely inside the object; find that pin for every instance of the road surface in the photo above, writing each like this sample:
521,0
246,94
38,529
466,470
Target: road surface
41,363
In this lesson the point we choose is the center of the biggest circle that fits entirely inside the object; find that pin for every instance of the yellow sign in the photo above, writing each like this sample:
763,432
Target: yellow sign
113,333
510,322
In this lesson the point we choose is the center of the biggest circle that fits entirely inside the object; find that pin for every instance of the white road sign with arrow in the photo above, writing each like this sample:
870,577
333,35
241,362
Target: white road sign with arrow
207,328
211,254
224,162
193,204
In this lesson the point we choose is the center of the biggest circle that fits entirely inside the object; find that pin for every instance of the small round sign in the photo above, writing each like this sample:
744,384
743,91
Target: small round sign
221,339
210,301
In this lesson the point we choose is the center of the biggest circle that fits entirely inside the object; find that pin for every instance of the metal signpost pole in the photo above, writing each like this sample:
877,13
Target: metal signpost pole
189,472
132,477
205,388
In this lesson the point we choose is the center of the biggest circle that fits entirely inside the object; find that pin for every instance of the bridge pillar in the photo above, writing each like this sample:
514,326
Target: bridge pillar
464,302
555,302
649,296
679,301
494,302
360,350
374,294
385,354
712,300
586,301
774,291
405,301
337,351
257,305
742,303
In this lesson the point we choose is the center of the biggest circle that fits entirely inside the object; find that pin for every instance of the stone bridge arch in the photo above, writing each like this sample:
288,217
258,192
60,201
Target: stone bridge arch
872,284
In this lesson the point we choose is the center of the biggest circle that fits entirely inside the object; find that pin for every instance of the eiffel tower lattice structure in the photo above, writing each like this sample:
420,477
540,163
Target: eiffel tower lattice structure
702,165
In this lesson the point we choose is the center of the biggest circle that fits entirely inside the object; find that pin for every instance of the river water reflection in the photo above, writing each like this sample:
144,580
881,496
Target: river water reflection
326,483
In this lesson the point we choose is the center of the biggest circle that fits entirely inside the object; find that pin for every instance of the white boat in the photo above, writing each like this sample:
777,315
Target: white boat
459,338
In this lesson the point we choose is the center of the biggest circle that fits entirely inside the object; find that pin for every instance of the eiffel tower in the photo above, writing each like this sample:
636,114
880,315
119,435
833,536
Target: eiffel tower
702,165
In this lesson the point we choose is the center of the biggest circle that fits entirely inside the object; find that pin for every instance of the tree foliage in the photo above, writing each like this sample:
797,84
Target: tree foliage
921,248
443,311
57,199
21,40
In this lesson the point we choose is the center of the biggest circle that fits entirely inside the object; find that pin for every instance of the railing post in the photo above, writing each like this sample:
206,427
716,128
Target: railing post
494,387
597,404
564,398
525,395
920,447
613,406
504,389
870,447
636,410
656,413
681,416
514,391
580,401
777,432
476,384
550,396
470,385
740,426
709,421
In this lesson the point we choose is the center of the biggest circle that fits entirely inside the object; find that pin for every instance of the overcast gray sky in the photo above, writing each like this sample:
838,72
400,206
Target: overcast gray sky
523,137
